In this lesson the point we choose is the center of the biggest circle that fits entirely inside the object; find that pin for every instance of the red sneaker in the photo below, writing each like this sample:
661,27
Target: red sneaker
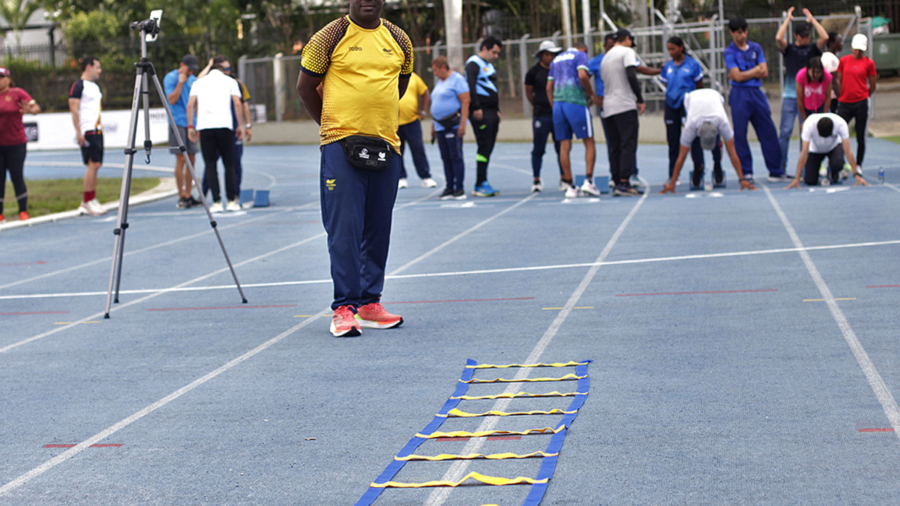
343,323
373,316
23,216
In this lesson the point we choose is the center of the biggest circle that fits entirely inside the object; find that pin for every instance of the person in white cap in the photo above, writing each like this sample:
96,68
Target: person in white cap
706,119
542,111
825,135
855,79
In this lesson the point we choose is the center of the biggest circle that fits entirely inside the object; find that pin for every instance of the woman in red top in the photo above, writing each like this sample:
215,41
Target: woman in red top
855,79
14,102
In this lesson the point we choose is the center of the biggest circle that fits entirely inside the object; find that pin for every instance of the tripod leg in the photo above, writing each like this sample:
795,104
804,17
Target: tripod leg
198,184
115,274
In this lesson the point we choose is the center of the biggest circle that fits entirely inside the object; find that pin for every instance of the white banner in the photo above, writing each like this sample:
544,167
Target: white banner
56,130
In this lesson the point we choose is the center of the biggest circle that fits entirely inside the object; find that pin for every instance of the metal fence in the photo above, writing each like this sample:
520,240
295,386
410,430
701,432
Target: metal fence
272,80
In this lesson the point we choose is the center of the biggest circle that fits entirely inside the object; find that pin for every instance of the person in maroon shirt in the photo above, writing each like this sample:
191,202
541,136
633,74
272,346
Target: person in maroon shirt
855,78
14,102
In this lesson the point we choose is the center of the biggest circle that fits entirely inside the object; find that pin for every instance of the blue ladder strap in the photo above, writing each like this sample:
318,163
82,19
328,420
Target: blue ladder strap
396,465
548,464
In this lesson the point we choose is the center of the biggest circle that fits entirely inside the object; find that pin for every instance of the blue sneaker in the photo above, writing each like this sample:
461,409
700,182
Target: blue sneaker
485,190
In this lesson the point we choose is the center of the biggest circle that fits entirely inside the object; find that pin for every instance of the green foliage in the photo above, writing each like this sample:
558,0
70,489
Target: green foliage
93,26
16,13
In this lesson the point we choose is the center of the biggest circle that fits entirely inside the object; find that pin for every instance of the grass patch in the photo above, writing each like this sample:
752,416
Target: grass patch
895,139
48,196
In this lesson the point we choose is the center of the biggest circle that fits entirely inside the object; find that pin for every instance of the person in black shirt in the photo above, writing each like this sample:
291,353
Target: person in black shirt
796,56
484,110
542,112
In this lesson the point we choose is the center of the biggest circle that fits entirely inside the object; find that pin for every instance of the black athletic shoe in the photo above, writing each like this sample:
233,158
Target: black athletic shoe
192,202
718,177
182,203
459,194
447,194
697,178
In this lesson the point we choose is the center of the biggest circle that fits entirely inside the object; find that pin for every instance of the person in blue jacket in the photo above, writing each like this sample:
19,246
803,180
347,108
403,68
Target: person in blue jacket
746,65
681,75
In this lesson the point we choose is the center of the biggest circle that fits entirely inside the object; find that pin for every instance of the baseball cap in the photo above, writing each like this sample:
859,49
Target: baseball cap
624,32
549,47
802,29
191,62
708,133
4,72
830,62
859,42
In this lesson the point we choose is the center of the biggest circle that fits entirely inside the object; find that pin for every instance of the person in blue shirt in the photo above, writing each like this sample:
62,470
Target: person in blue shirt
177,84
681,75
746,65
450,110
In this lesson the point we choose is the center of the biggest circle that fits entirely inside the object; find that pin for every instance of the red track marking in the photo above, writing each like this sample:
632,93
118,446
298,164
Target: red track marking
73,446
222,307
694,293
884,286
876,430
39,262
33,312
458,300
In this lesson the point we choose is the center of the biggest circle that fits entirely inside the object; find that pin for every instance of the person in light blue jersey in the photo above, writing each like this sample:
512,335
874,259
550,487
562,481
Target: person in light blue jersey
682,75
177,84
450,111
746,65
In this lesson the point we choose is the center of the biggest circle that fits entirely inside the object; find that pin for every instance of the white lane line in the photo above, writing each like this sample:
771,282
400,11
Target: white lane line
463,234
892,187
137,251
464,273
174,288
888,404
68,454
458,468
153,295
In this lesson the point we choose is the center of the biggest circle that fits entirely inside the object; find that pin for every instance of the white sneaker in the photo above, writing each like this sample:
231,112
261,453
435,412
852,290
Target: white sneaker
823,170
635,182
428,183
572,192
92,207
590,188
563,186
216,208
402,183
233,206
537,186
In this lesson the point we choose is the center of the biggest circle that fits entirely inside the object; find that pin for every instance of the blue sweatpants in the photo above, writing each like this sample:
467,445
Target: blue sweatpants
749,105
411,133
542,127
357,206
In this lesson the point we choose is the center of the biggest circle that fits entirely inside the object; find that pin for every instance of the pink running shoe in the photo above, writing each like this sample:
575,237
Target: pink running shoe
343,323
373,316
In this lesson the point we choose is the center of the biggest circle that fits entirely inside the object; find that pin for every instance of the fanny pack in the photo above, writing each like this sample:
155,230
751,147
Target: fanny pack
451,120
367,153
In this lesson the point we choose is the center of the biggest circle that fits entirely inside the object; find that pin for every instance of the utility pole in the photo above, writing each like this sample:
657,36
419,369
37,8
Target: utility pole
453,29
567,22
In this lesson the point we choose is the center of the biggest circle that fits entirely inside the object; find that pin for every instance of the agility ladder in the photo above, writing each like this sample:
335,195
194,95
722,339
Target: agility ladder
450,410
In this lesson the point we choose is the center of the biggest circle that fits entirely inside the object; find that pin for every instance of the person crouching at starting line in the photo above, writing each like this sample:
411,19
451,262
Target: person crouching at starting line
706,119
825,136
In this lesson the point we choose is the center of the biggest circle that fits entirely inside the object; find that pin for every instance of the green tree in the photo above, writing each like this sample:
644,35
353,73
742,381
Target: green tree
17,13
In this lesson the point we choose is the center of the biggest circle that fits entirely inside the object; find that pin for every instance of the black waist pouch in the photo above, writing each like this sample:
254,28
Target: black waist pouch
367,153
451,120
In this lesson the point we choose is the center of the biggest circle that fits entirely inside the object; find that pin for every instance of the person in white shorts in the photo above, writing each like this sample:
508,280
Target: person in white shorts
706,119
825,135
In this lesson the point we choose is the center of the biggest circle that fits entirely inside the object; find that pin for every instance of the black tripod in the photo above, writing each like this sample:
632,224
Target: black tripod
145,71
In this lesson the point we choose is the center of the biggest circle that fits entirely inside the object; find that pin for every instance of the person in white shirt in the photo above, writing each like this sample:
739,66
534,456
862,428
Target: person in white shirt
213,97
706,118
825,135
84,104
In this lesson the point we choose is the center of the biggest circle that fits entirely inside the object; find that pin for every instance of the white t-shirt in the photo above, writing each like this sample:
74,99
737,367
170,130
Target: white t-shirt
701,106
214,92
89,107
617,94
823,145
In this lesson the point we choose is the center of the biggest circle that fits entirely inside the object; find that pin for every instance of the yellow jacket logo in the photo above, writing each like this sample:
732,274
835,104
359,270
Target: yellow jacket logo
330,184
